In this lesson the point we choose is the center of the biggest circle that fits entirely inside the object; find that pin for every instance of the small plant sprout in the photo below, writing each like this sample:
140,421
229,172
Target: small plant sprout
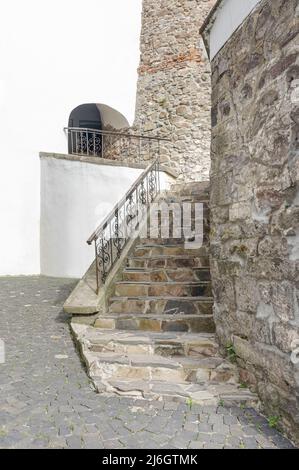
273,422
243,385
189,403
232,355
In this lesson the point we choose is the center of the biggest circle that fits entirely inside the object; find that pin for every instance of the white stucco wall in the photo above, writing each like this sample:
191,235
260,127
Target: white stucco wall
54,56
228,17
75,197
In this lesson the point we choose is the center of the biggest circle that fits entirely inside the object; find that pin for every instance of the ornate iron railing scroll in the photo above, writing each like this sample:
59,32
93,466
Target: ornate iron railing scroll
123,222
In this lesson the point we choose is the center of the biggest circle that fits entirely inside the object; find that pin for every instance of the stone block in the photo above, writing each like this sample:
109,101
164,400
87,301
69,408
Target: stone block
105,323
240,211
247,294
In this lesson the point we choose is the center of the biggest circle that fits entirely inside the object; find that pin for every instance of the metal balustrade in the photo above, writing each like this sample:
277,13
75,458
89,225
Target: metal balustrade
112,145
123,222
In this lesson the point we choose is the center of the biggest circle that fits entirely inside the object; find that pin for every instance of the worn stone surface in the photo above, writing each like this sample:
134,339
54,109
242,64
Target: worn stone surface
46,400
255,202
173,94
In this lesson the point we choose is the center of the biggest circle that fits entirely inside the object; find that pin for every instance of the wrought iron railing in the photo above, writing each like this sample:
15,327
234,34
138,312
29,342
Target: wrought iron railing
112,145
124,221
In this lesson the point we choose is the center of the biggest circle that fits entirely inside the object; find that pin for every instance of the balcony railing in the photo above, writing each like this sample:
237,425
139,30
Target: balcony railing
112,145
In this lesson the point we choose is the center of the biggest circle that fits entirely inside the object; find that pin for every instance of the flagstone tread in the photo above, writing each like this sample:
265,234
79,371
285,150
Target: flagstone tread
167,274
172,257
137,269
168,305
156,361
95,335
174,262
165,283
203,394
186,198
171,240
157,322
155,316
163,297
173,250
166,343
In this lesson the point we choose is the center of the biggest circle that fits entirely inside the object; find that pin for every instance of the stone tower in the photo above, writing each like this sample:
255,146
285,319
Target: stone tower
173,94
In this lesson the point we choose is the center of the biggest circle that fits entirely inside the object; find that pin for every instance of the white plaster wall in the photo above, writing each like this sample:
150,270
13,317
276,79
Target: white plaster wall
75,197
54,56
228,17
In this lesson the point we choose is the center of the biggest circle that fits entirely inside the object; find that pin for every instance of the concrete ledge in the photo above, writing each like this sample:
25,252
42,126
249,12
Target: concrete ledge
84,300
104,162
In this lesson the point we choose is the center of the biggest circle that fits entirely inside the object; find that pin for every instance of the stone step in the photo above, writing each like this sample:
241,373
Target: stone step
157,240
176,289
196,394
184,236
161,274
182,261
195,216
167,305
152,250
152,343
114,366
184,194
192,198
202,187
155,322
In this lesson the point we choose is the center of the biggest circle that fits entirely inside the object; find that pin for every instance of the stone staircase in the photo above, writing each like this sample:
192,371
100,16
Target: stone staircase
157,337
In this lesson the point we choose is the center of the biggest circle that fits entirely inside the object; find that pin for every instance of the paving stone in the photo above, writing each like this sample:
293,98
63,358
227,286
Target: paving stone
92,442
230,420
193,427
218,438
74,442
221,429
236,430
196,445
250,443
204,427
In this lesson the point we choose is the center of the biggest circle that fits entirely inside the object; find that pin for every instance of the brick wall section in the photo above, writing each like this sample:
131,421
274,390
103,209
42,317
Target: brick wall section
173,96
255,202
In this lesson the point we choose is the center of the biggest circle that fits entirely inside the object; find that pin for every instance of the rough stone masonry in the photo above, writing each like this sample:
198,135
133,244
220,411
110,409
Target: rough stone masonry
255,203
173,95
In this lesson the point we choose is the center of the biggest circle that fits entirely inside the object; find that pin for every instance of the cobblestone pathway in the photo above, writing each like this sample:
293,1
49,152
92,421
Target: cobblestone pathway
47,401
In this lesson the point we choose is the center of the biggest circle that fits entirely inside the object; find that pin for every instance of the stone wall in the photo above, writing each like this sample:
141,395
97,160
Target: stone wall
173,96
255,203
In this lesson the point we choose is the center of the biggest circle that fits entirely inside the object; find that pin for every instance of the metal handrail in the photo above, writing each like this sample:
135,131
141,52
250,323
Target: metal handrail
103,224
122,223
117,134
111,144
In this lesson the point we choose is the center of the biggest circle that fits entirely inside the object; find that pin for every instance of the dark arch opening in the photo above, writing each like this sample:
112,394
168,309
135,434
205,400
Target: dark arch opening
93,118
86,116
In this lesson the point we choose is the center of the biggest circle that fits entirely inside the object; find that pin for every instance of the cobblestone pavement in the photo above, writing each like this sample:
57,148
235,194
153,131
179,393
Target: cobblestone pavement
47,401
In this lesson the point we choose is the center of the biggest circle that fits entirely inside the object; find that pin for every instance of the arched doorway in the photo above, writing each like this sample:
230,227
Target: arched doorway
86,116
89,125
83,123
